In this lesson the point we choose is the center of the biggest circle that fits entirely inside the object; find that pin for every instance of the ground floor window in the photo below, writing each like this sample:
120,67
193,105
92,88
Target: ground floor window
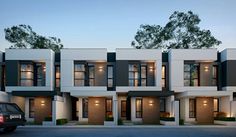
123,108
192,108
109,108
139,108
31,108
216,106
85,107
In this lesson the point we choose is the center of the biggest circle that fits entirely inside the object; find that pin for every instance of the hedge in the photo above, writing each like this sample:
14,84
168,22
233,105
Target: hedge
61,121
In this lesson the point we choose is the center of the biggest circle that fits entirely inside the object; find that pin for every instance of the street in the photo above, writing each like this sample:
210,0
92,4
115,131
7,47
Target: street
123,132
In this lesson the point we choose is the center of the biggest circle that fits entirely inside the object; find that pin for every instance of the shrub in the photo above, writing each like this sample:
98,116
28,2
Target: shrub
181,122
164,114
167,118
225,118
120,122
48,119
109,119
61,121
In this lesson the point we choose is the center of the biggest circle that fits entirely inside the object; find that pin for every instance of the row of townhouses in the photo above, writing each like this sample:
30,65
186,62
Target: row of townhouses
136,85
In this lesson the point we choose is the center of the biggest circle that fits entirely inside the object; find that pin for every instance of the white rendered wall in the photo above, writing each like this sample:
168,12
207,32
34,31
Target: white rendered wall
176,66
62,107
225,105
41,55
228,54
81,119
68,56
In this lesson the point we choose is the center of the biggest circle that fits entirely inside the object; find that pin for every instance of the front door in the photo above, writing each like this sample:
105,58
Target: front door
123,109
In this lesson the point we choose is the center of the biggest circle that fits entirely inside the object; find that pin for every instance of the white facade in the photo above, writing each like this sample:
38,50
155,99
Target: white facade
39,55
176,66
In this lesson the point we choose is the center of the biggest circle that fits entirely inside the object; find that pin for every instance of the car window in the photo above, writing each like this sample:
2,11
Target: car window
11,108
2,108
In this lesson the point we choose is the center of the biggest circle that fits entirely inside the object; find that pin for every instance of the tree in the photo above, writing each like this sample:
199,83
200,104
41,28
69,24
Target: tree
22,36
181,32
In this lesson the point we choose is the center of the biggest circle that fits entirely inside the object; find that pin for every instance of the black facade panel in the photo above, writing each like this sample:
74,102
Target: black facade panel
12,72
150,75
111,57
57,57
122,73
230,73
164,57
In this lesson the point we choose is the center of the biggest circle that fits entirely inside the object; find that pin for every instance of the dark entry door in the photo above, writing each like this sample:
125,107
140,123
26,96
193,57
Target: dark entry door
73,105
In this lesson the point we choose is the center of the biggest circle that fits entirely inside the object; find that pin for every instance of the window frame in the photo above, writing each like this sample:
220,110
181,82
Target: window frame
194,108
21,72
190,72
59,77
141,108
90,78
31,100
141,78
112,76
84,73
84,105
134,79
214,77
109,110
163,78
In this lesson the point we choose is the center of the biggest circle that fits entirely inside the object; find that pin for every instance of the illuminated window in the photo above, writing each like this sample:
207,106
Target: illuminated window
192,108
79,75
163,76
58,76
85,107
26,75
191,74
31,108
139,108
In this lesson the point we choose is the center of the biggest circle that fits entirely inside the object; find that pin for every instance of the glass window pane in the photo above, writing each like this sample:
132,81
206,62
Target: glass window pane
135,83
57,82
186,83
26,67
79,67
163,83
136,76
163,70
110,72
216,105
79,75
79,82
186,67
195,82
85,107
144,82
91,71
186,75
162,105
26,82
27,75
91,82
131,75
143,72
131,82
110,83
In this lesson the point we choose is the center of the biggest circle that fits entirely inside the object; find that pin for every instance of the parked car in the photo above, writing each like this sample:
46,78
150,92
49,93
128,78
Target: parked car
11,116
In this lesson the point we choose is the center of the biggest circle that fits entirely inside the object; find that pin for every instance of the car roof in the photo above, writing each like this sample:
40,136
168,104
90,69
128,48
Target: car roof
6,103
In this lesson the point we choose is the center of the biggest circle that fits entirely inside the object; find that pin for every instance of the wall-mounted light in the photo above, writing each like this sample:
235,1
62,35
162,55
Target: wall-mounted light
100,68
206,68
204,103
151,68
42,103
96,103
151,103
44,68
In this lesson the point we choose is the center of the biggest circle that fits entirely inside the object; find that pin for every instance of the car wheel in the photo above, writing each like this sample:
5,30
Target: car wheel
9,129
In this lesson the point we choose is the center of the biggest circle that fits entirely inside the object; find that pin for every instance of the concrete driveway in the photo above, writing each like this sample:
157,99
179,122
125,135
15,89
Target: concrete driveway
219,131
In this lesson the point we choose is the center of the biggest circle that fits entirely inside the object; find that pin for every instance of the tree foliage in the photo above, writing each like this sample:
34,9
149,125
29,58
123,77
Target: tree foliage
180,32
22,36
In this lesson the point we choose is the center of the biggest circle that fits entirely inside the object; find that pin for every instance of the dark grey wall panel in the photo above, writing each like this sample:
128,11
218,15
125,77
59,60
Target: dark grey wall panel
122,73
12,72
228,73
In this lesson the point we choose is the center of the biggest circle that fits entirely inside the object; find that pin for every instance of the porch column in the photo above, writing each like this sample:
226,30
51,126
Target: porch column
115,109
176,112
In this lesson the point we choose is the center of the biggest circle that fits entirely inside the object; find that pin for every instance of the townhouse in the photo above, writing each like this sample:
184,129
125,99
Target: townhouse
93,86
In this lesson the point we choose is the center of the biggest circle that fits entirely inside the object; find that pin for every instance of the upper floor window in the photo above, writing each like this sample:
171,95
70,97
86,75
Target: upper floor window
133,75
91,75
110,76
40,74
26,75
191,74
57,76
138,74
214,75
163,76
143,75
79,75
